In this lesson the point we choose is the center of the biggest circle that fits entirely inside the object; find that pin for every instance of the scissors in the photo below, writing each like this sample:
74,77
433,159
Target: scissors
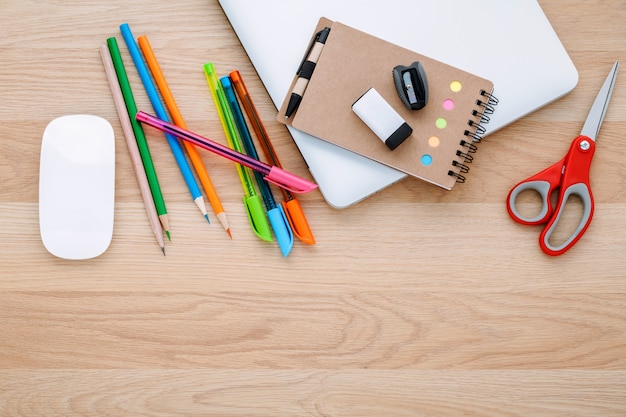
570,176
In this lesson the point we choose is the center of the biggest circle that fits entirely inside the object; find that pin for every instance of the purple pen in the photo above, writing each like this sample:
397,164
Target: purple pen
273,174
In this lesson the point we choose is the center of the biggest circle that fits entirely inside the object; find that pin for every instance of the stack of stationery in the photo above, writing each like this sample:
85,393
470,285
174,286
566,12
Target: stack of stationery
350,62
242,149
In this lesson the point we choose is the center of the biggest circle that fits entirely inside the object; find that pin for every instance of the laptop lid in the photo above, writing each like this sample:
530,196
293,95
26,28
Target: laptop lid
510,43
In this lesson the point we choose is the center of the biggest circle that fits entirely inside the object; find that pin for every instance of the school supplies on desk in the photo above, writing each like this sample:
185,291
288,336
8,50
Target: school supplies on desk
445,132
570,176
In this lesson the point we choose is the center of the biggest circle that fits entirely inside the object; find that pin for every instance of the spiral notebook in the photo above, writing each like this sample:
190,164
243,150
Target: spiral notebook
445,131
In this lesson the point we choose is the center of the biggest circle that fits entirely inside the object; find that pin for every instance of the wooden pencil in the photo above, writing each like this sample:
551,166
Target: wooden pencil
133,150
142,143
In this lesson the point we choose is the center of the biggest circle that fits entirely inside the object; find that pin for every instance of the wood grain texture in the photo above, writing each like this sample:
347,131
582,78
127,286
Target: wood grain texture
415,302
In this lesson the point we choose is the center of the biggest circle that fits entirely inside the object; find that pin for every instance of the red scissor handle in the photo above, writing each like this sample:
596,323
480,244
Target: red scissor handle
575,181
571,176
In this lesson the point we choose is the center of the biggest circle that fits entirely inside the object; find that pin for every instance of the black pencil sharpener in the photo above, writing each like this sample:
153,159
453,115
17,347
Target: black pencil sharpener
411,85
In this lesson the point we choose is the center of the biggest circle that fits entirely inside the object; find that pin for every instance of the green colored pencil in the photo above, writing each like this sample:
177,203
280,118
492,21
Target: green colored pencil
142,143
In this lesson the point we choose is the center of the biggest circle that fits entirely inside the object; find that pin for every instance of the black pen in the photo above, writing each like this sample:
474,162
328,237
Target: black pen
306,70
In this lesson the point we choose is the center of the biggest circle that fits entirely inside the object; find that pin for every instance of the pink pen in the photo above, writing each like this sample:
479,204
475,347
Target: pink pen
273,174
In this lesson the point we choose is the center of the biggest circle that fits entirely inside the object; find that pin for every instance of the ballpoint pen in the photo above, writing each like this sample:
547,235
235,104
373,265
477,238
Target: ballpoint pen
306,70
291,206
131,143
276,215
142,143
171,105
272,173
177,151
251,200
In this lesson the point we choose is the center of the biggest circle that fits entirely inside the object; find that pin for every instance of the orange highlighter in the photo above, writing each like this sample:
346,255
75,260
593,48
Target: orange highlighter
293,209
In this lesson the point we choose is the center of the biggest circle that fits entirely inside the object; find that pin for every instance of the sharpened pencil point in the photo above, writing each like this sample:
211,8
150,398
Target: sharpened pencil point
224,221
200,203
165,222
163,250
206,216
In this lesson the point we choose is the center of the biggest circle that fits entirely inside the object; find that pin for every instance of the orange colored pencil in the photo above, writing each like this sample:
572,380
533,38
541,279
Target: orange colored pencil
196,160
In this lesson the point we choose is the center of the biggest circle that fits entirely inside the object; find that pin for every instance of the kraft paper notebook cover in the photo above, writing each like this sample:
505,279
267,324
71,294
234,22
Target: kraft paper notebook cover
445,131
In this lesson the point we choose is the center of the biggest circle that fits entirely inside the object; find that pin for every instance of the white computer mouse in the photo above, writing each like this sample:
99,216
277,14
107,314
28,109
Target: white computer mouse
77,186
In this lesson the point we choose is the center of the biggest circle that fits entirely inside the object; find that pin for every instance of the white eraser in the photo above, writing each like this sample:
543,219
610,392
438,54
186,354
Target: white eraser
382,119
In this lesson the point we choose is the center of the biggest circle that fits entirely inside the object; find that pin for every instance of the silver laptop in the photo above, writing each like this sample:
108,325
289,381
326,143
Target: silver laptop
508,42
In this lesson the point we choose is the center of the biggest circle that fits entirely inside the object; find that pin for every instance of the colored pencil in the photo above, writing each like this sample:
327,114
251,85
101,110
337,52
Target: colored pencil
153,96
131,143
142,143
171,105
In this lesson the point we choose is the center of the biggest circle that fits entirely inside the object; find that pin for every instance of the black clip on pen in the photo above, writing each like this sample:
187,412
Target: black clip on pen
306,70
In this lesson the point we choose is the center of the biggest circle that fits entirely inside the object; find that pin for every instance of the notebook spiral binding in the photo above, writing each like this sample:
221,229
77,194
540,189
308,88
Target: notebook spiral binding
485,106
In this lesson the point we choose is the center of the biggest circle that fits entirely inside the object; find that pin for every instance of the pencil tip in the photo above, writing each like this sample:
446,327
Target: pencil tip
206,216
221,216
163,250
167,233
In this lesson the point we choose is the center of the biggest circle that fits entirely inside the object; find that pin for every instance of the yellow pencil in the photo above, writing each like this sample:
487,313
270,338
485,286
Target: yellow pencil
196,160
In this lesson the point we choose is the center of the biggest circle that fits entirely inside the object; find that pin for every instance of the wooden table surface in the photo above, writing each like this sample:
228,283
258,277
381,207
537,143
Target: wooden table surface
415,302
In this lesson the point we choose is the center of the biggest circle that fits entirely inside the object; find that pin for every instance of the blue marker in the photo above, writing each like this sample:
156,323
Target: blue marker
151,90
275,213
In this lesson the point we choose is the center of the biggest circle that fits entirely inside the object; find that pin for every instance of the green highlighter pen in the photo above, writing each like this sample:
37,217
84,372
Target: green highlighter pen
251,200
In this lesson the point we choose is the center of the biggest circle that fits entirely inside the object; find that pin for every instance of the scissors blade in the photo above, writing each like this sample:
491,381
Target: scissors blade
598,110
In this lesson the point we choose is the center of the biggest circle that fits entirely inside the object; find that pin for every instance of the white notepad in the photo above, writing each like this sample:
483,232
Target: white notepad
510,43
